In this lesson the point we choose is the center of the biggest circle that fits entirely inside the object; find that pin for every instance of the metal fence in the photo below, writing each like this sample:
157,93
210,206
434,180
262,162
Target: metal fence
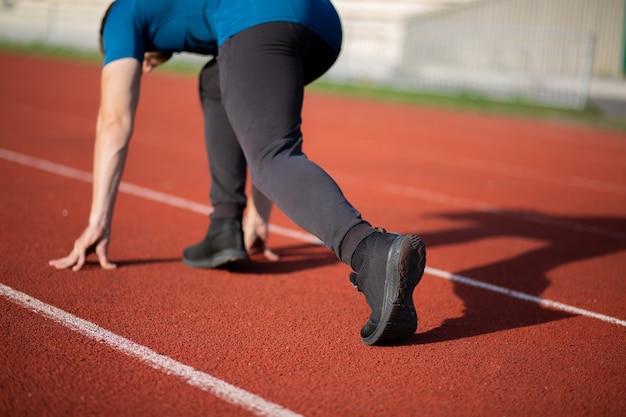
548,67
72,23
537,65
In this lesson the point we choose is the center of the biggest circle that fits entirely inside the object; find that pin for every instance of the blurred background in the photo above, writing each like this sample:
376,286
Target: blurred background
556,53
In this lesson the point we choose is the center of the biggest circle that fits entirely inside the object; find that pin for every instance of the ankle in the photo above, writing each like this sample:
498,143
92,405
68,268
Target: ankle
225,220
359,254
353,239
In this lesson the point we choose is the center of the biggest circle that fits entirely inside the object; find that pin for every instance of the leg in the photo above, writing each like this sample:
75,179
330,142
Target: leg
264,70
227,164
223,242
262,78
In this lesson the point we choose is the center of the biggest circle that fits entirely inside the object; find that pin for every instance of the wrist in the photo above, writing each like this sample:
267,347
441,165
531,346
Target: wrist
98,222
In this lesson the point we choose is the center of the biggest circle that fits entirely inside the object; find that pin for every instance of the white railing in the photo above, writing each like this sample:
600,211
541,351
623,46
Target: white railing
544,66
537,65
72,23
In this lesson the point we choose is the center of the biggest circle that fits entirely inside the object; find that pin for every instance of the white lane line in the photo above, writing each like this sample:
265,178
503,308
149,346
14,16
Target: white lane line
138,191
87,177
399,190
523,296
526,173
445,199
296,235
193,377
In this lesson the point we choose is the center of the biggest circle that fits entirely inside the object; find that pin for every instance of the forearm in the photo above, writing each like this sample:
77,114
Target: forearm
261,204
118,102
111,148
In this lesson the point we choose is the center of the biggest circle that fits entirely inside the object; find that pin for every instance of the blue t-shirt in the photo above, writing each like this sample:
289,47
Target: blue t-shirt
201,26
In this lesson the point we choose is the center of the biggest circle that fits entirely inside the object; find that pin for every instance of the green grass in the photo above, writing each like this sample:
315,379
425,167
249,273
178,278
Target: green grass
38,48
94,57
590,116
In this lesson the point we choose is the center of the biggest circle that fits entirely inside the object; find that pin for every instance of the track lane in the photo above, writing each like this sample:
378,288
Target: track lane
304,237
475,354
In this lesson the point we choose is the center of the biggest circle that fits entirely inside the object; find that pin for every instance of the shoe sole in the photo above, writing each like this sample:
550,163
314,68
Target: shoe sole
219,259
405,267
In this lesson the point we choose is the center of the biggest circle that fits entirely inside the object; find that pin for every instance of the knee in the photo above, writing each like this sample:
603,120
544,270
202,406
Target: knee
266,161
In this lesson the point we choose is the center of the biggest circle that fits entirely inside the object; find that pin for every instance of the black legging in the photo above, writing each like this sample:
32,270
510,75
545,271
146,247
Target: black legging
252,101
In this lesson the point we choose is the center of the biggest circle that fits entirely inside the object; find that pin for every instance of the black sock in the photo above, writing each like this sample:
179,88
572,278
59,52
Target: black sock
359,255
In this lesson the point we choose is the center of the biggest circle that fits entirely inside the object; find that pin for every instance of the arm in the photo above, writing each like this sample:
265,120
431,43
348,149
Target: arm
118,102
256,224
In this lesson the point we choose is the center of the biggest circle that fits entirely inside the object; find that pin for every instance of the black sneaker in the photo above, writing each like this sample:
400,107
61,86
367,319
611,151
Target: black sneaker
391,266
223,244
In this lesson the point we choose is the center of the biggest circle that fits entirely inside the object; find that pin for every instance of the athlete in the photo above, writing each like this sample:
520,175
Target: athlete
259,207
266,52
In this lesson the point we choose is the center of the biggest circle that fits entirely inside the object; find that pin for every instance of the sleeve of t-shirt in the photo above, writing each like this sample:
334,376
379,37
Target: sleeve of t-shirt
122,38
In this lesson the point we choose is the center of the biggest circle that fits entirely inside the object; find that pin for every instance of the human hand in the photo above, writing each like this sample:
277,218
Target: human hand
91,240
255,239
255,233
151,60
256,224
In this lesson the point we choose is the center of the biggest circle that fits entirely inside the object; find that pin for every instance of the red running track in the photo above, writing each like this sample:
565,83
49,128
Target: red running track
521,310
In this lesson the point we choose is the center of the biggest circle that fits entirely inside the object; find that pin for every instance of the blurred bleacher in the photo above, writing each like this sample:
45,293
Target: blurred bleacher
559,53
68,23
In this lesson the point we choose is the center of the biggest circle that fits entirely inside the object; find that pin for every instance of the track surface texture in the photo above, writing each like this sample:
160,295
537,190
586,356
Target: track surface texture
521,309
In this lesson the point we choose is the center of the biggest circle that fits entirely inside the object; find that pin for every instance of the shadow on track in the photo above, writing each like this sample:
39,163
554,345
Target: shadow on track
293,258
560,241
